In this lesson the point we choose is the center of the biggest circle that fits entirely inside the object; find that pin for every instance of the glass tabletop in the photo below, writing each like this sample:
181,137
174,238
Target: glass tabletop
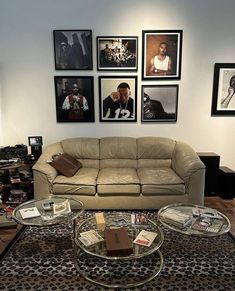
198,224
47,217
116,220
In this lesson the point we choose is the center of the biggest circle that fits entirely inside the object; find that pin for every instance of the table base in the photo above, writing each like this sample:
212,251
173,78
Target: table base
118,273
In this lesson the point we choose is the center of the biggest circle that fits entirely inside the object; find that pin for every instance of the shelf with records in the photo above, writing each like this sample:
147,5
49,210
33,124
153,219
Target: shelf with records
16,183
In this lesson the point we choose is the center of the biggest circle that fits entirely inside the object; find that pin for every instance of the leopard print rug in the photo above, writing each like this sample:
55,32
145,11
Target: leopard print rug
44,259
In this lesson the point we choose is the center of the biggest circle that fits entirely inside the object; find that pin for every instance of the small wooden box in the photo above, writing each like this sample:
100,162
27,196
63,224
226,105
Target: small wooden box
100,221
118,242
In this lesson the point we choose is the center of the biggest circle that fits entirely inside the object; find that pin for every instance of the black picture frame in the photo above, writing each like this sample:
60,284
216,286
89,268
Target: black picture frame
117,111
73,49
117,53
35,140
223,95
78,105
159,103
170,67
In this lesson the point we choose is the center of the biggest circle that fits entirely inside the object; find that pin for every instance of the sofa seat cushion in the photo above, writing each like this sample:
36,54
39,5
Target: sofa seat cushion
120,181
83,182
160,181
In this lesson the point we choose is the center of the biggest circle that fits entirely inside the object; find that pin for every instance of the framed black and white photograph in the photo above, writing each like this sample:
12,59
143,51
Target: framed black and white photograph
74,98
159,103
117,53
161,54
223,98
35,140
73,49
118,98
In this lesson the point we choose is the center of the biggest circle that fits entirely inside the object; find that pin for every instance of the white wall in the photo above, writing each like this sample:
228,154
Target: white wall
27,66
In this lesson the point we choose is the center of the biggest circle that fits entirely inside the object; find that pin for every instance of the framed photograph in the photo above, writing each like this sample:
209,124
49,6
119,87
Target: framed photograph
223,98
162,50
74,98
118,98
35,140
159,103
117,53
73,49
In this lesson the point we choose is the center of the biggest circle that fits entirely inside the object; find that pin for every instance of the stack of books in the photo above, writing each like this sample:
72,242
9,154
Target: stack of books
176,217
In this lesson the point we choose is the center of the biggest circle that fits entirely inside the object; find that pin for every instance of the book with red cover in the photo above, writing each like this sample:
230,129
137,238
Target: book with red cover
117,242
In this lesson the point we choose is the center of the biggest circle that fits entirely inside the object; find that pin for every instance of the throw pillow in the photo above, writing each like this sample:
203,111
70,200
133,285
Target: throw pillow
65,164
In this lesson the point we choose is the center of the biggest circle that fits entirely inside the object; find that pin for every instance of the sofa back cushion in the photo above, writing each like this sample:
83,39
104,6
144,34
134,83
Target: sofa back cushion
153,152
86,150
118,152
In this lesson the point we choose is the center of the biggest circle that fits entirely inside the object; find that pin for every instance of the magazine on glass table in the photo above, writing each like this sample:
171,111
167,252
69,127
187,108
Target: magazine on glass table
145,238
29,212
207,224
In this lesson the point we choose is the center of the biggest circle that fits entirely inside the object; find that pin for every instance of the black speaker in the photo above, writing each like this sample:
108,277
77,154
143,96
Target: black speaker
211,161
36,151
226,183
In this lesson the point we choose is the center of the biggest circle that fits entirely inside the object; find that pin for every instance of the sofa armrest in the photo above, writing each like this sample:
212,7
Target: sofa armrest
44,173
190,168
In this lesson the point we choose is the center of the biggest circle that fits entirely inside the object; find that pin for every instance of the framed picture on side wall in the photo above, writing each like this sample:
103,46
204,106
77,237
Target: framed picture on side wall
118,98
162,50
74,98
117,53
159,103
73,49
223,98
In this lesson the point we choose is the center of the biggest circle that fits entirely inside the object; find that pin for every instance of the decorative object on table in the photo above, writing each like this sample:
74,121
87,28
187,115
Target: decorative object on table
117,53
159,103
100,220
215,226
161,57
61,207
73,49
206,212
202,223
139,218
223,98
118,98
117,242
74,98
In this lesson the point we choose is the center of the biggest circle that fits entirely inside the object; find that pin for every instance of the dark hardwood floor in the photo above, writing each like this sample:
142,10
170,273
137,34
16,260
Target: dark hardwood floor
225,206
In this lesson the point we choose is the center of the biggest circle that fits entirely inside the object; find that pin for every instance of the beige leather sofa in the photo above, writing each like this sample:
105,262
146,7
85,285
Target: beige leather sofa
124,173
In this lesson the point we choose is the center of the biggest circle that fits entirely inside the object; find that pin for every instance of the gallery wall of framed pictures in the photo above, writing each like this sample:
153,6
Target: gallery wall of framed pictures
118,96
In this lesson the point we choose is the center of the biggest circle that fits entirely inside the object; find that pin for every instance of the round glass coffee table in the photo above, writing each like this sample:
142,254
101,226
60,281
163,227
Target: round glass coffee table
124,271
47,217
212,223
